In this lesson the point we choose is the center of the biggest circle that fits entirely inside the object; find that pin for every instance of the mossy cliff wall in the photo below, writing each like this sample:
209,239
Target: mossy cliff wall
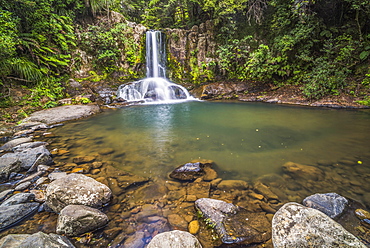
191,54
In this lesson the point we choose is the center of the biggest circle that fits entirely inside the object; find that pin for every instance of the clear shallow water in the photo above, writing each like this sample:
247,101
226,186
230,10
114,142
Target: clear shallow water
245,140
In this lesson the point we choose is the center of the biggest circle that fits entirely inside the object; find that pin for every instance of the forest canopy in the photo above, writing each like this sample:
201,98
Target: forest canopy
322,45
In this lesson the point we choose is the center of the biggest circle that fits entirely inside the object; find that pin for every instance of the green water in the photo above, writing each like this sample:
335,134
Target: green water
245,140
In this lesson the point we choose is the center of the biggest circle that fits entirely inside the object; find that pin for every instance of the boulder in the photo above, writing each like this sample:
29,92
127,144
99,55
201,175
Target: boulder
31,157
193,170
295,225
76,189
330,204
8,146
74,220
62,113
39,239
234,225
174,239
12,214
7,166
301,171
188,171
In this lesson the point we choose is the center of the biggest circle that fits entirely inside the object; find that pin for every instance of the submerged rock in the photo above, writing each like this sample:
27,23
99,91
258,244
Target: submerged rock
77,219
39,239
295,225
174,239
76,189
305,172
330,204
234,224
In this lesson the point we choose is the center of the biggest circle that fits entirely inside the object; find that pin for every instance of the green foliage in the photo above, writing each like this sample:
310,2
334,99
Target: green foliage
111,46
49,90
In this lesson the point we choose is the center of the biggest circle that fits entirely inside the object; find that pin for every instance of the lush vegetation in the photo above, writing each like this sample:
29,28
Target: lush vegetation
324,46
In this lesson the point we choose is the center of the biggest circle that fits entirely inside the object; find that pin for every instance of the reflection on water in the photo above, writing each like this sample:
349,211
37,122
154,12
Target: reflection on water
246,140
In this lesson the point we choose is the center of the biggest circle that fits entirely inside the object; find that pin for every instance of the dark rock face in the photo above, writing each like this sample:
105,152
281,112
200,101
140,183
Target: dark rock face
233,224
174,239
223,90
12,214
330,204
76,189
295,225
77,219
39,239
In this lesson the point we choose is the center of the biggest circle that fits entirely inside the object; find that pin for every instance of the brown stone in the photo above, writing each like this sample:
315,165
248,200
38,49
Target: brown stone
227,185
84,159
200,190
306,172
177,222
265,190
210,175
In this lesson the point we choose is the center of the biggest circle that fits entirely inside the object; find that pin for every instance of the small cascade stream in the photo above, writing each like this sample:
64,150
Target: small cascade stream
155,87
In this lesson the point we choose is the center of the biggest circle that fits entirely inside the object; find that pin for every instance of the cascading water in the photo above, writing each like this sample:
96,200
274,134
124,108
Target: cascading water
155,87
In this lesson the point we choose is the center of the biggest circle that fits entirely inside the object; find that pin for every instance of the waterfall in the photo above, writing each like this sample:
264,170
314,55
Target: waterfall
155,87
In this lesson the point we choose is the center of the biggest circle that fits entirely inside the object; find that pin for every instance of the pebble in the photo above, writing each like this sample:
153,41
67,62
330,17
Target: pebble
362,214
193,227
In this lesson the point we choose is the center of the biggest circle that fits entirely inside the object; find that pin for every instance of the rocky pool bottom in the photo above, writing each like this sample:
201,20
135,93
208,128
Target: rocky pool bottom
131,210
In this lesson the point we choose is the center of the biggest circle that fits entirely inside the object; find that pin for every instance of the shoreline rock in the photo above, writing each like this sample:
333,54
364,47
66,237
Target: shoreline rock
295,225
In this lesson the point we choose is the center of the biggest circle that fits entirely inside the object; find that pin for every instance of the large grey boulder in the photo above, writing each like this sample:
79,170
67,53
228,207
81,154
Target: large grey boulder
174,239
294,225
330,204
31,157
76,189
233,224
39,239
62,113
7,166
74,220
